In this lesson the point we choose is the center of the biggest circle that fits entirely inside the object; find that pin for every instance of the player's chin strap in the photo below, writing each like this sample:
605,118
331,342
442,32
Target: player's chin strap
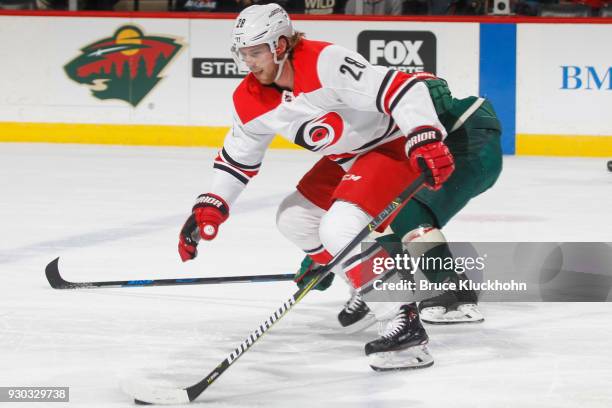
281,65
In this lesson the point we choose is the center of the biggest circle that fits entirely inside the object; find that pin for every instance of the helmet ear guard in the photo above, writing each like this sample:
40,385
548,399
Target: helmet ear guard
260,24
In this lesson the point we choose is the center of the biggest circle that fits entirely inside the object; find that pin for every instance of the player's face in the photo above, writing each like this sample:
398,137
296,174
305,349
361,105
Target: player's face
260,61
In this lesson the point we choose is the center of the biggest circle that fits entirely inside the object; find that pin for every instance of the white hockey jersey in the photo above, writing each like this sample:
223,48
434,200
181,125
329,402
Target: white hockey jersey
340,107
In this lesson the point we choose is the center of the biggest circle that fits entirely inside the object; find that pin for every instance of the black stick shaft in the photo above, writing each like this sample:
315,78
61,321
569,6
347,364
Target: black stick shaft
57,282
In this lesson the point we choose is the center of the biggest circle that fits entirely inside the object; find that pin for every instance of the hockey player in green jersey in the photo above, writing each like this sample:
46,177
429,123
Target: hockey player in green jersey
474,140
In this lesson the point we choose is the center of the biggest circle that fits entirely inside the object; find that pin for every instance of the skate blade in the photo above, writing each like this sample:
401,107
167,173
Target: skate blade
407,359
466,313
361,325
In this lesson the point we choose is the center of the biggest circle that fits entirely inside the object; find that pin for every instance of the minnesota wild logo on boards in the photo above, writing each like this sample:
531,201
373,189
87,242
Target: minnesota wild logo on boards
126,66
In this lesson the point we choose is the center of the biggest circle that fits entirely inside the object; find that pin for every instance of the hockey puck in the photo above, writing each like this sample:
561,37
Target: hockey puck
609,165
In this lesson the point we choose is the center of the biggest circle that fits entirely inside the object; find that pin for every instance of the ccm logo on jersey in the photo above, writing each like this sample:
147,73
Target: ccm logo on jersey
319,133
351,177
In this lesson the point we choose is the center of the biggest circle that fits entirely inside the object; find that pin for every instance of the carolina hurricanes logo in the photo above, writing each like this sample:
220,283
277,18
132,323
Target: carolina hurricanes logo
319,133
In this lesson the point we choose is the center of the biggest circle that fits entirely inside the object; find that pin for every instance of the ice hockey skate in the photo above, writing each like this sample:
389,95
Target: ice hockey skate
356,315
402,345
451,307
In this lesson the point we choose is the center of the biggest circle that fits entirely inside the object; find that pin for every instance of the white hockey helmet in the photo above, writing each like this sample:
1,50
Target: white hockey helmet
260,24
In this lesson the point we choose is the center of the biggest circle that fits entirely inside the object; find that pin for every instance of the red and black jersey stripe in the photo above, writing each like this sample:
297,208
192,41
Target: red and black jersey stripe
243,172
394,86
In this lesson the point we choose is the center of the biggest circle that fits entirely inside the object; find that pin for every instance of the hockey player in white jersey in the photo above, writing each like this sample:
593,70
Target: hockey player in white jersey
380,125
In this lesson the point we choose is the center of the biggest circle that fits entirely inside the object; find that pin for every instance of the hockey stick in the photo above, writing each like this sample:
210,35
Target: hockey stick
148,394
57,282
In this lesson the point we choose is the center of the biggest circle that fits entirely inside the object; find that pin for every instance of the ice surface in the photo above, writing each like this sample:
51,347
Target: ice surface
115,212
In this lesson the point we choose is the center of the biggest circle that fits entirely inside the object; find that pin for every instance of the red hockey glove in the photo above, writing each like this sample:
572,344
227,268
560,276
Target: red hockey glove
428,153
188,239
208,213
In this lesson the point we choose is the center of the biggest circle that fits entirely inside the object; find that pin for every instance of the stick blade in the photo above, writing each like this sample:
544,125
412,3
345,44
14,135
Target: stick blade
53,275
150,394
